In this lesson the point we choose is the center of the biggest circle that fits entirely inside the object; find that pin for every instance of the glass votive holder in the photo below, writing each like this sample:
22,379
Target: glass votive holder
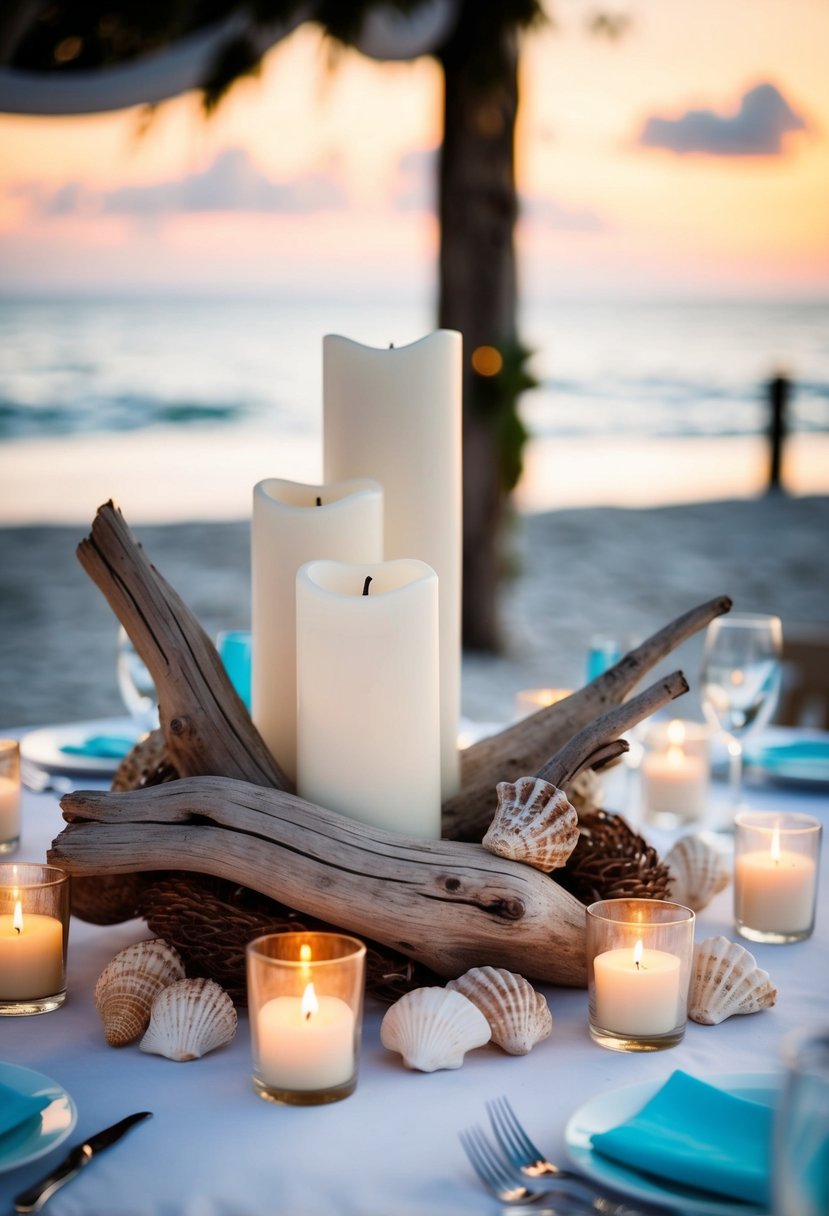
530,700
800,1158
305,1000
639,959
602,652
675,773
34,932
9,795
776,863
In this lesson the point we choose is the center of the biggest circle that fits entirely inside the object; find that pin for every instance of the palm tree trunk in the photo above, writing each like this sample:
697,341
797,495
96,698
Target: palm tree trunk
478,208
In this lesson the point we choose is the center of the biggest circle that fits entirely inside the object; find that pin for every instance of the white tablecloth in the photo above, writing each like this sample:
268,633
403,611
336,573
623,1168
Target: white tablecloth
214,1148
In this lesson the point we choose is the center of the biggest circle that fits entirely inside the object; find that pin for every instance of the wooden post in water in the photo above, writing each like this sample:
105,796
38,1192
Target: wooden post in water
778,389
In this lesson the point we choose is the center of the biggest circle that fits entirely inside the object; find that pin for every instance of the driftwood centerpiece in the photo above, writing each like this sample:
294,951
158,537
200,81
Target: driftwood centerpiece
449,904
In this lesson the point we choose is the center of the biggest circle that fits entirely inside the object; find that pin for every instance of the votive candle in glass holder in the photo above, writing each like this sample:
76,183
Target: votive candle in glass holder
776,862
675,773
34,933
639,958
305,1000
530,700
9,795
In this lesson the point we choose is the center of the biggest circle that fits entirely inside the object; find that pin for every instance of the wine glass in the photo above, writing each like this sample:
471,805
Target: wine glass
135,684
740,681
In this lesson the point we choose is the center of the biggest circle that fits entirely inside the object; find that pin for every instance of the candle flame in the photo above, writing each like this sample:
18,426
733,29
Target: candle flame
310,1004
638,951
17,919
305,953
775,844
676,732
737,677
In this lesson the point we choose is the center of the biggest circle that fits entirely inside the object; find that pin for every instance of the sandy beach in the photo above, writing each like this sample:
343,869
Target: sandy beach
574,573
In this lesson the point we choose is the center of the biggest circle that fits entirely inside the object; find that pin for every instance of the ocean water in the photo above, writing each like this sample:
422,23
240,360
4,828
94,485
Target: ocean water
632,370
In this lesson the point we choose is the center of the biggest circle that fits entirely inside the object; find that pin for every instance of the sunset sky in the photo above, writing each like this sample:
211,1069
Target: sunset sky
691,157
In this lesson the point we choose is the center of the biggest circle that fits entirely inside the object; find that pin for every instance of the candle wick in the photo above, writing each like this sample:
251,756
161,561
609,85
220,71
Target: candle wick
308,1016
319,502
17,930
366,583
638,968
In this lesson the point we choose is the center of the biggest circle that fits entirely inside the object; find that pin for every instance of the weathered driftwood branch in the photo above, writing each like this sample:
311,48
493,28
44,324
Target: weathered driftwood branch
525,746
449,905
206,726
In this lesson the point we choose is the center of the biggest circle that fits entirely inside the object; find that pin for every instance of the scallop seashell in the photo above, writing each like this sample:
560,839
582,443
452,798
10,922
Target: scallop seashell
534,823
725,981
129,984
518,1016
188,1019
698,872
433,1028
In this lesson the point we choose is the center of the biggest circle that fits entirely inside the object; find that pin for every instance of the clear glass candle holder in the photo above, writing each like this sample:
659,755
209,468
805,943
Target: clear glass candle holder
800,1158
530,700
639,958
34,933
305,1000
9,795
675,773
776,864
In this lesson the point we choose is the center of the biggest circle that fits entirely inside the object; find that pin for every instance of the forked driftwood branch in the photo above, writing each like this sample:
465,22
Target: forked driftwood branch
448,904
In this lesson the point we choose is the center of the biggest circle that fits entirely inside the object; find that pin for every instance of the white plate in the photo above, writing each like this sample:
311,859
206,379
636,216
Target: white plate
56,1120
42,748
607,1110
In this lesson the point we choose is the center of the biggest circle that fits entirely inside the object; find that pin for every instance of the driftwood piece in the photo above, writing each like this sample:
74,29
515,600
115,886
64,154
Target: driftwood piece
526,745
206,726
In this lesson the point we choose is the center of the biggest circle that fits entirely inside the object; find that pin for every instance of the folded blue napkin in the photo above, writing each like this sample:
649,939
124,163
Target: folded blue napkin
17,1110
106,747
808,757
696,1134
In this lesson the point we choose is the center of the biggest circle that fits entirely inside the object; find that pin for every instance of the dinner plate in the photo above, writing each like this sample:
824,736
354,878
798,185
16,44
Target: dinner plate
56,1120
43,748
797,761
607,1110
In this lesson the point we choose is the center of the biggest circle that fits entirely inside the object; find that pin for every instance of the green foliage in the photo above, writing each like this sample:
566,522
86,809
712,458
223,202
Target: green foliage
495,398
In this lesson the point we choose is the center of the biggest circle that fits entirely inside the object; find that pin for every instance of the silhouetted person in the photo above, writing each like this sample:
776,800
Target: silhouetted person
779,388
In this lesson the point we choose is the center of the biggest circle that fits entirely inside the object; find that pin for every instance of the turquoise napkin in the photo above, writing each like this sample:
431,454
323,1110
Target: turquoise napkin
17,1109
106,747
699,1135
808,758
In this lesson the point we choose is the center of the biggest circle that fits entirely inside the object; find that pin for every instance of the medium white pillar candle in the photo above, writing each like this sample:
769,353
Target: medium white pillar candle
774,889
637,991
31,956
307,1042
395,414
293,523
368,737
9,809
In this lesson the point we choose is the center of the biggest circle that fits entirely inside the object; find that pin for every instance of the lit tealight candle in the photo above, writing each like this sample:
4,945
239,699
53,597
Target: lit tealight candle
307,1042
31,955
637,991
530,700
774,889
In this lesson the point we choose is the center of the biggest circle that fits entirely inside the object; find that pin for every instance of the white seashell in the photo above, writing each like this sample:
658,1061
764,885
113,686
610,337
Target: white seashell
433,1028
534,823
189,1019
726,980
518,1016
128,985
698,872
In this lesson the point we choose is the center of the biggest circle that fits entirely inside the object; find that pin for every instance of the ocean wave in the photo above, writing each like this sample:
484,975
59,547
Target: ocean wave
25,420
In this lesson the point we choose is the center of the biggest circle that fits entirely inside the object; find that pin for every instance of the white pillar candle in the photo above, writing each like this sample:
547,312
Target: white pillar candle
306,1043
774,889
293,523
31,955
395,414
637,991
9,809
368,738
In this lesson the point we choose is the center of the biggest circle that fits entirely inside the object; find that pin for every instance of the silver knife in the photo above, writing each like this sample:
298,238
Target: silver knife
33,1199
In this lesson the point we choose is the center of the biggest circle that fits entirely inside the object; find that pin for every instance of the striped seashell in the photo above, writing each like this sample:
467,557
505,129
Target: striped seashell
433,1028
189,1019
698,872
518,1016
725,981
128,985
534,823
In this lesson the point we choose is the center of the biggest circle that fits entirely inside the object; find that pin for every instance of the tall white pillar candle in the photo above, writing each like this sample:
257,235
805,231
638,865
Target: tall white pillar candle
368,737
395,414
293,523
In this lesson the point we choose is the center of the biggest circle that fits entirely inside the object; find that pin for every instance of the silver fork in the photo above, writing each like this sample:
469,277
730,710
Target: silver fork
514,1189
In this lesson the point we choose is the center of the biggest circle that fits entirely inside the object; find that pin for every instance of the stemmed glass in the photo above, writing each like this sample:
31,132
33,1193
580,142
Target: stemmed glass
740,681
135,684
